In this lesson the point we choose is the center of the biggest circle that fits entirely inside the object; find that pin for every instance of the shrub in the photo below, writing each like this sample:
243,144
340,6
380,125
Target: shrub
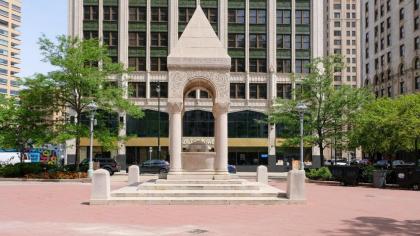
367,173
322,173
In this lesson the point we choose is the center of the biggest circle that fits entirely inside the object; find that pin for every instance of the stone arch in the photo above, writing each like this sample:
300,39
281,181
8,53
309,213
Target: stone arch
202,84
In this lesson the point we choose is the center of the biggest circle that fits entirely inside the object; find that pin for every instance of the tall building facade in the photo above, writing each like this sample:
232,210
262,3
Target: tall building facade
10,21
267,41
342,36
391,44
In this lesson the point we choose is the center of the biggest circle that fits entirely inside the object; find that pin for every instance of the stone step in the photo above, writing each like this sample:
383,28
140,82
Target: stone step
196,201
216,182
152,186
198,193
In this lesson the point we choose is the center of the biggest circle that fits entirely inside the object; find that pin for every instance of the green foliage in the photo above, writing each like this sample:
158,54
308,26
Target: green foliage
85,74
24,121
22,169
322,173
387,125
367,173
330,109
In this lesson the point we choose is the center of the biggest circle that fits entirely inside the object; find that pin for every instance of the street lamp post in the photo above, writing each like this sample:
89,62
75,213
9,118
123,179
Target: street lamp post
158,92
301,108
92,107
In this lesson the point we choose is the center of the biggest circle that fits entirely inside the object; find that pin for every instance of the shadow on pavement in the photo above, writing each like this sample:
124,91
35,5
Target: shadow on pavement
376,226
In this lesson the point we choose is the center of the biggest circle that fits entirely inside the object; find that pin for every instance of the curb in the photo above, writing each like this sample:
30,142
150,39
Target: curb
85,180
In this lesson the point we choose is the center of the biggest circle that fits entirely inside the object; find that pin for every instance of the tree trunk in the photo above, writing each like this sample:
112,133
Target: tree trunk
321,154
77,156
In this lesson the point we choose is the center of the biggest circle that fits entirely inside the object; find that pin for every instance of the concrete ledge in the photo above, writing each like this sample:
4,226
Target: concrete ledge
197,201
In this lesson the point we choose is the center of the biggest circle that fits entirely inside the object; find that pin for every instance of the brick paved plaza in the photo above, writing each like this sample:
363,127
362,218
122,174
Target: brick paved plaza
29,208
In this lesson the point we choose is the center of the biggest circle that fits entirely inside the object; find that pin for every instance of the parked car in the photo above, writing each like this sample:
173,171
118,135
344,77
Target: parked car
108,164
383,164
232,169
361,162
401,163
340,162
154,166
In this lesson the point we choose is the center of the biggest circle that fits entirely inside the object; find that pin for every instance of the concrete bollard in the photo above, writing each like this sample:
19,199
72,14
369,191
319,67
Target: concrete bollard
262,174
101,185
133,174
296,185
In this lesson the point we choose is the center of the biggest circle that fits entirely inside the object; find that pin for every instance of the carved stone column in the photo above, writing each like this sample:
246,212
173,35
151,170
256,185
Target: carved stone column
175,135
220,112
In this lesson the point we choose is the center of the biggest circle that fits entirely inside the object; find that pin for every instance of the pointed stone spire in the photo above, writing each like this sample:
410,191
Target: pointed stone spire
199,47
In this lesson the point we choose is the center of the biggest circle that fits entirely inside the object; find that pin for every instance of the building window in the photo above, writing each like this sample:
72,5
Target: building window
158,63
236,16
137,14
159,14
302,66
245,124
136,63
137,89
257,65
417,82
258,91
417,63
402,34
303,42
284,41
284,91
198,124
147,126
257,16
110,13
111,38
137,39
163,89
236,40
185,14
238,65
91,13
90,35
402,87
159,39
402,50
283,17
402,14
237,90
284,65
211,14
257,41
417,43
402,69
303,17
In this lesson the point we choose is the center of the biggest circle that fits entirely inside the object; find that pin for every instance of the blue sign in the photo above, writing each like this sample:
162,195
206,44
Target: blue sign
264,156
34,156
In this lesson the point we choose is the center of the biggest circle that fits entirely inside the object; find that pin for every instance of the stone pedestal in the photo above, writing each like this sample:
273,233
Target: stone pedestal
133,175
296,185
101,185
262,175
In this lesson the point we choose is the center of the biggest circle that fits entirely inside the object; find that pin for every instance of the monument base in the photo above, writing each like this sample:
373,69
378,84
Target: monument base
200,175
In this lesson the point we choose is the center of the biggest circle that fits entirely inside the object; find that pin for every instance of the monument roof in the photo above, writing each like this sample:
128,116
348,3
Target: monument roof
199,46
